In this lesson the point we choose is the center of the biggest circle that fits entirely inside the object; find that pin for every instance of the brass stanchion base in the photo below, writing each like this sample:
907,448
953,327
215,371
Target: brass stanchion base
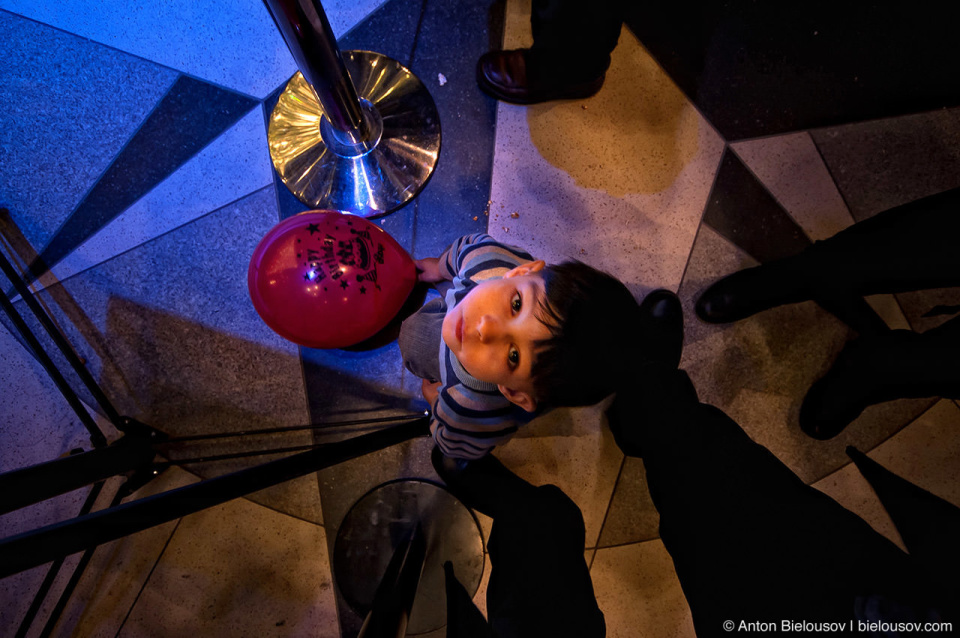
368,177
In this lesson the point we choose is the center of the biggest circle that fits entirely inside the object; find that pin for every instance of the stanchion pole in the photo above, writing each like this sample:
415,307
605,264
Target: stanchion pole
352,131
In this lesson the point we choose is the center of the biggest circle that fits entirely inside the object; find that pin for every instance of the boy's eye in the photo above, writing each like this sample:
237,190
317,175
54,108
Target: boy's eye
513,357
516,303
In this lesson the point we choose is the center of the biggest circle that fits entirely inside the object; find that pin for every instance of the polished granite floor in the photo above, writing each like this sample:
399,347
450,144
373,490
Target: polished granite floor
135,166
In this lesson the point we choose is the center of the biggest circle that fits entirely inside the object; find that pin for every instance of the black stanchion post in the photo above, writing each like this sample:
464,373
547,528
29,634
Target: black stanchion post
19,488
393,601
21,552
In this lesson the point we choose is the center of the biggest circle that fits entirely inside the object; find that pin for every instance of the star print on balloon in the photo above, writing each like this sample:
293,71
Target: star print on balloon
294,262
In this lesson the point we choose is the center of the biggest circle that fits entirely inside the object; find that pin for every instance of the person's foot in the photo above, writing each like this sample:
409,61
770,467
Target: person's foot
661,328
483,484
747,292
867,371
511,76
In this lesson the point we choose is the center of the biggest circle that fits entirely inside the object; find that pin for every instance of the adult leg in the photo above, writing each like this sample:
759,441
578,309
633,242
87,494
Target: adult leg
536,552
572,42
910,247
749,540
877,368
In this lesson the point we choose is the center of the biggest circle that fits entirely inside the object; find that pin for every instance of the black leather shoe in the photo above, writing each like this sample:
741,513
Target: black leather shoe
745,293
661,329
511,76
867,371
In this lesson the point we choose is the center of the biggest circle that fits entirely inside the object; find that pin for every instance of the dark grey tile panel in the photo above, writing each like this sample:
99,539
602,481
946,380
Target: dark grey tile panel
390,30
67,107
881,164
745,212
190,116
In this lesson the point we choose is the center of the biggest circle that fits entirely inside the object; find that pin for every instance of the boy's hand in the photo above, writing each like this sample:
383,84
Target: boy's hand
430,391
428,270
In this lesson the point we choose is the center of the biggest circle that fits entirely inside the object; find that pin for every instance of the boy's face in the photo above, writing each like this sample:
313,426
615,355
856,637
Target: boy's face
494,329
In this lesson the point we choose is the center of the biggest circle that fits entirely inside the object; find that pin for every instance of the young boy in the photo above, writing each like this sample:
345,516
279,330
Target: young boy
512,338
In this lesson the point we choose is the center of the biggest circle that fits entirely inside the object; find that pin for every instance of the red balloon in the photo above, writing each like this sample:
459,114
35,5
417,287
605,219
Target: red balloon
325,279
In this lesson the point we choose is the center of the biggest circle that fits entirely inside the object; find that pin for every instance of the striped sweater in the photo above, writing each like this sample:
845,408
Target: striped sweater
471,417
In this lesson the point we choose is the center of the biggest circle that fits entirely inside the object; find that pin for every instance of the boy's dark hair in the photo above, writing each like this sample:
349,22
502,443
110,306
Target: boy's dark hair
593,321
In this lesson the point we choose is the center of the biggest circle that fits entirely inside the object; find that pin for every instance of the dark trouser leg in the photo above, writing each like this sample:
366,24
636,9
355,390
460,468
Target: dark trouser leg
911,247
575,38
536,550
896,365
751,541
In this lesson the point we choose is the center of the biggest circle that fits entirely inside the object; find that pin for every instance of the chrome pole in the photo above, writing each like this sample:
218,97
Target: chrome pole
355,132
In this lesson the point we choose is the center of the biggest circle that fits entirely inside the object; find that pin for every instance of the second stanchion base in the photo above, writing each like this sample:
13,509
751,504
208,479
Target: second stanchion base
379,521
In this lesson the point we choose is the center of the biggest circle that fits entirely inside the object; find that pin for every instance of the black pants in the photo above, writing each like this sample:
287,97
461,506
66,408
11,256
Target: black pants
575,38
539,581
910,247
749,540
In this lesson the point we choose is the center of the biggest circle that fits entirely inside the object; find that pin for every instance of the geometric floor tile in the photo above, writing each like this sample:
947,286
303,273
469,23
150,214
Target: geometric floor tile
573,449
880,164
791,169
632,516
638,592
67,108
190,115
239,569
238,47
232,166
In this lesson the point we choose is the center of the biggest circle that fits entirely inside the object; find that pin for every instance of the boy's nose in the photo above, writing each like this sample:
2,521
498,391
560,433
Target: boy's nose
488,329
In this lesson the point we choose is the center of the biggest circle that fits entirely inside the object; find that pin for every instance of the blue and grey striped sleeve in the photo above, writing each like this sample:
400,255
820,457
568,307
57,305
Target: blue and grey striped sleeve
479,256
469,423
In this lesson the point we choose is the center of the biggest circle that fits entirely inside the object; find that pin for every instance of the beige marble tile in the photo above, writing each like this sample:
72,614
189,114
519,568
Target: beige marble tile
618,181
480,598
632,516
639,593
111,583
574,450
790,167
926,453
239,569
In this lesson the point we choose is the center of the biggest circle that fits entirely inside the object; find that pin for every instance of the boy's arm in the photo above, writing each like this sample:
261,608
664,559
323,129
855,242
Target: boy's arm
430,391
466,429
460,254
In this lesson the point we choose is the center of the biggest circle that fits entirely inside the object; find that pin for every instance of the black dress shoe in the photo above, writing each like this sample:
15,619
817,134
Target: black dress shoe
660,329
513,76
745,293
867,371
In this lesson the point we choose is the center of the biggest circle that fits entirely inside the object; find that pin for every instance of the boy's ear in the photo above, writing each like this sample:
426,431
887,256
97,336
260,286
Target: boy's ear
525,269
524,399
